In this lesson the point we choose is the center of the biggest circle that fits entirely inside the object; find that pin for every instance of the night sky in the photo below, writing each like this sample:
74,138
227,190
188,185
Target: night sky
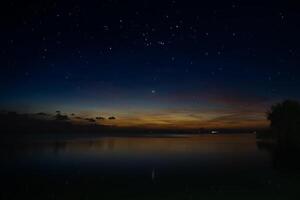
186,64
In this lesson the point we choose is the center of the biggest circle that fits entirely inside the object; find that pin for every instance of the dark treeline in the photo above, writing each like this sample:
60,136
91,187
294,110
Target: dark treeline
282,139
285,123
284,129
42,123
15,123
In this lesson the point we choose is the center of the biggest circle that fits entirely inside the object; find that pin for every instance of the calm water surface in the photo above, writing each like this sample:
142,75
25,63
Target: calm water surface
131,165
193,152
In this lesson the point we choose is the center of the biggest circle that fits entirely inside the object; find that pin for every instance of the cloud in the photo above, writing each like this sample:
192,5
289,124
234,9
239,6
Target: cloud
218,98
236,120
90,120
42,114
60,117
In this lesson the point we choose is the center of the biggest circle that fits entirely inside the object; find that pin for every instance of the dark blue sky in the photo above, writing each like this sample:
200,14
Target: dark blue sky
170,63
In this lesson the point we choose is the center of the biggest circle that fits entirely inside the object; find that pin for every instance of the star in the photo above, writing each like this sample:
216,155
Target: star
161,43
269,78
106,28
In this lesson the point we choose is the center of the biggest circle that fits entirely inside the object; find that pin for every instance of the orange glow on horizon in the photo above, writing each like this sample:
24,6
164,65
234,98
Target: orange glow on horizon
187,121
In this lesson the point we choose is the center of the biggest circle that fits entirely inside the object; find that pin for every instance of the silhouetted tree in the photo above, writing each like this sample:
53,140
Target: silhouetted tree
41,114
61,117
90,119
111,118
285,123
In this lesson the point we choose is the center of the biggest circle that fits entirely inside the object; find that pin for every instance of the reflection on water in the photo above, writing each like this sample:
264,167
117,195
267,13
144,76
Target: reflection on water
131,164
204,151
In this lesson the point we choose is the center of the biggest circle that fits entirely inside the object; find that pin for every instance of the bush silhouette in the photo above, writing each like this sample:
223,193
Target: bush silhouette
285,123
60,117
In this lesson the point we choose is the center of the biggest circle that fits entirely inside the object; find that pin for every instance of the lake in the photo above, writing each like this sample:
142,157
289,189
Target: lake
147,167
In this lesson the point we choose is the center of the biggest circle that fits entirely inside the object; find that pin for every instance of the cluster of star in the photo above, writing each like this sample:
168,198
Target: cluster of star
148,52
